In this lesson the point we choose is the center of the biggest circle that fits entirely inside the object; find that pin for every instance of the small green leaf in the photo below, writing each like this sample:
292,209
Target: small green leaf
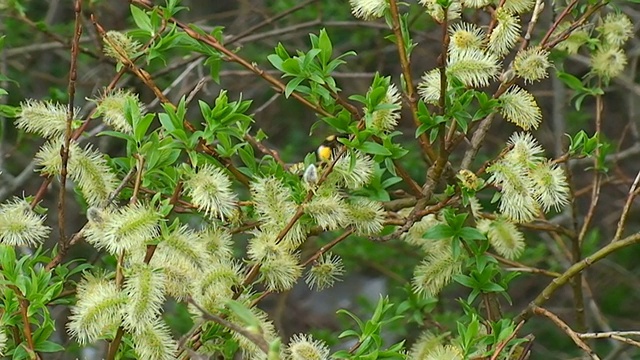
141,19
440,231
291,86
371,147
48,346
324,43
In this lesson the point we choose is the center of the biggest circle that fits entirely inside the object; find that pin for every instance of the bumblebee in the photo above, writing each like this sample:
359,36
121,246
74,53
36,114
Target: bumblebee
328,148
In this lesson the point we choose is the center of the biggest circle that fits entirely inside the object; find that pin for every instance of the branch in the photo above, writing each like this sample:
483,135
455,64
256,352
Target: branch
408,78
564,327
259,341
574,270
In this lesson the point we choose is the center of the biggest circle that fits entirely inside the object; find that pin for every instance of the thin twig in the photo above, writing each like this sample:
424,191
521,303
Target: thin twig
564,327
64,151
259,341
633,192
115,343
409,91
575,269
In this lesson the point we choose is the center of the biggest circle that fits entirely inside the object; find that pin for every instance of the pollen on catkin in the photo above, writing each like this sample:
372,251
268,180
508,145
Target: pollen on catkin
445,352
532,64
352,177
429,87
93,175
125,229
518,6
437,11
120,46
214,287
473,67
475,4
44,118
366,216
414,235
427,342
87,167
305,347
608,62
368,9
272,200
387,119
210,191
154,341
112,106
327,211
265,328
217,242
517,201
3,339
98,310
525,150
436,271
178,271
280,273
324,272
616,29
520,107
221,275
464,35
551,188
506,33
20,226
504,236
263,245
144,287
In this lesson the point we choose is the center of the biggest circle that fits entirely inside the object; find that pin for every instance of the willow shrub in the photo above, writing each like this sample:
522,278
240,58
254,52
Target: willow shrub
195,175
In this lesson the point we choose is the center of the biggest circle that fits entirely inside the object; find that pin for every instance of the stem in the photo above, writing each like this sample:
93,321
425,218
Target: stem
408,78
574,270
64,151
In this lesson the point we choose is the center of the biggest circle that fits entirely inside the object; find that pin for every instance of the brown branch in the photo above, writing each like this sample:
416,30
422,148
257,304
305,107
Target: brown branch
564,327
567,10
115,343
26,325
575,269
259,341
516,266
633,192
409,91
64,151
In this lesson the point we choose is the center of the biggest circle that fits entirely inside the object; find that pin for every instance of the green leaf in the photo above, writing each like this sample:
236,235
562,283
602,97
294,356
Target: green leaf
440,231
116,134
465,280
243,313
142,125
326,49
371,147
141,19
276,61
291,67
291,86
571,81
469,233
48,346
